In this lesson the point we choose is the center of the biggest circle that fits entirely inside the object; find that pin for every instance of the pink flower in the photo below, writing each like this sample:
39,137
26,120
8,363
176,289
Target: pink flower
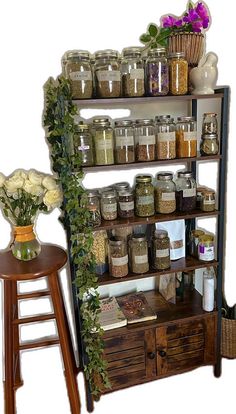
202,11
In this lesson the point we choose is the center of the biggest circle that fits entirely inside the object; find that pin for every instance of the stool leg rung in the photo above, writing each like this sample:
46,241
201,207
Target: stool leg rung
32,319
40,343
32,295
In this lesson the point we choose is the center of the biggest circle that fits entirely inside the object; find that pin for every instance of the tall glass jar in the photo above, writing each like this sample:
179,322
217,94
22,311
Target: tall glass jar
103,140
165,201
166,138
109,205
79,71
186,137
83,144
132,71
144,196
178,73
124,142
107,74
209,123
161,250
100,251
157,72
118,258
93,205
145,140
186,195
126,204
209,144
138,254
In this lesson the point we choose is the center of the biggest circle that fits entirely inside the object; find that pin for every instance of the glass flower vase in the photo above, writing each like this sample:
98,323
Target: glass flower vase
25,245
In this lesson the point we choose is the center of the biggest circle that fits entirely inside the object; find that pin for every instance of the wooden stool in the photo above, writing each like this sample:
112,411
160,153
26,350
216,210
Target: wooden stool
50,260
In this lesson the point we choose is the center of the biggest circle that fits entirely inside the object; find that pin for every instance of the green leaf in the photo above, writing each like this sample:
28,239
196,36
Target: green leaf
153,30
145,38
190,5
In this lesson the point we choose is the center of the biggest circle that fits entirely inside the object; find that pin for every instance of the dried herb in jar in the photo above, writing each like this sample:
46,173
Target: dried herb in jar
79,72
161,250
138,249
126,204
118,258
144,196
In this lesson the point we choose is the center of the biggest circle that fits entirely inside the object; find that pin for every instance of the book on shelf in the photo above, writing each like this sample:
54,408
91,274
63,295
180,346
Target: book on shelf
111,316
135,307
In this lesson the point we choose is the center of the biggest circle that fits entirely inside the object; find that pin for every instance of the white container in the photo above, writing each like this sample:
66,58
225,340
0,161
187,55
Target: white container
208,290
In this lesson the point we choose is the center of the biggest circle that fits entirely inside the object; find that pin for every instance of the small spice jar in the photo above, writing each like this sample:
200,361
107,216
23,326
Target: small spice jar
161,250
126,204
109,205
118,258
165,201
123,185
107,74
93,206
186,196
178,73
138,254
209,144
79,71
103,140
144,196
209,123
157,72
200,191
124,142
145,140
166,139
132,71
100,251
83,144
208,201
206,248
193,241
186,137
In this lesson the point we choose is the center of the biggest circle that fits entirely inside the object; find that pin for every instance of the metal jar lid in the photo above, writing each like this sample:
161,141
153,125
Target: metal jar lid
209,136
109,194
165,176
197,233
107,53
209,192
124,122
143,179
80,127
185,118
176,54
212,114
116,241
139,238
125,193
164,118
160,234
159,51
139,122
77,54
206,238
185,174
105,190
132,51
121,186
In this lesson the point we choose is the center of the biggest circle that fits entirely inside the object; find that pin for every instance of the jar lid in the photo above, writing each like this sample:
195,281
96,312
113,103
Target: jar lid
185,118
164,118
201,189
125,193
81,126
197,233
73,54
165,176
116,241
144,122
101,122
209,136
132,51
213,114
159,51
206,238
106,53
123,122
209,192
160,234
139,237
109,194
184,174
144,179
105,189
121,186
176,54
92,194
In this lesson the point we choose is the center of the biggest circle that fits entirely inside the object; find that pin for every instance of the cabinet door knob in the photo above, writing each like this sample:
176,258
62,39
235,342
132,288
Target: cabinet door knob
162,353
151,355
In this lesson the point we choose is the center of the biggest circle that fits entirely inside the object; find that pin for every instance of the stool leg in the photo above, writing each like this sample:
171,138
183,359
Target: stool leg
65,342
18,379
9,393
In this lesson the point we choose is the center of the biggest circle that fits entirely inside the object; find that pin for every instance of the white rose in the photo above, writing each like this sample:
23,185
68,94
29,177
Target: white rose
33,189
35,177
53,198
49,183
14,183
2,179
21,173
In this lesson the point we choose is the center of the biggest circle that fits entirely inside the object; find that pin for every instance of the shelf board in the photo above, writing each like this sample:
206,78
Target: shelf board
182,265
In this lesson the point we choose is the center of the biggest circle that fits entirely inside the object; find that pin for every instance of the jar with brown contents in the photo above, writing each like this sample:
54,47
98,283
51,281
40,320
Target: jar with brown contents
100,251
166,137
145,140
178,74
118,258
109,205
138,251
165,201
124,142
208,201
132,71
186,137
126,204
107,74
79,72
161,250
144,196
186,197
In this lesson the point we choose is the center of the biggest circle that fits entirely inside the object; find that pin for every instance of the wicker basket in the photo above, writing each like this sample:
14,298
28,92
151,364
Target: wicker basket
228,338
192,44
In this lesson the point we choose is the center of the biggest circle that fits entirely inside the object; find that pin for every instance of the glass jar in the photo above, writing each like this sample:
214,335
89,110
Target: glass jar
165,201
200,191
93,206
100,251
123,185
124,142
83,144
79,72
206,248
161,250
186,137
138,254
208,200
132,71
118,258
103,140
144,196
109,205
157,72
122,233
209,123
194,241
145,140
178,73
126,204
166,139
209,144
107,74
186,195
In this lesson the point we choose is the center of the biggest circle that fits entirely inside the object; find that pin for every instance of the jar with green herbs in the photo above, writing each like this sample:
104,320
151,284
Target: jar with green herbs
93,206
186,191
107,74
145,140
126,204
178,73
79,72
144,196
165,201
208,201
83,144
124,142
209,144
103,140
166,137
157,72
109,205
118,258
132,71
100,251
138,254
161,250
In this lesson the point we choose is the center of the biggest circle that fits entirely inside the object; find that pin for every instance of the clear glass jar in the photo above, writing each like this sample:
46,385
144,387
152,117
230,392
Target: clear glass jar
138,254
165,201
208,201
109,205
126,204
186,137
209,144
123,185
144,196
83,144
93,206
132,71
103,140
161,250
157,72
124,142
107,74
79,71
200,191
118,258
122,233
145,140
100,251
209,123
166,137
178,73
186,195
206,248
193,241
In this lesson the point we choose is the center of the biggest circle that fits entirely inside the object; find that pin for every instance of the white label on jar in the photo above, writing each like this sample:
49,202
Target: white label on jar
124,141
168,196
162,253
83,148
190,136
145,200
119,261
137,74
103,145
206,253
143,140
109,208
108,75
126,206
209,202
141,259
79,76
208,294
166,137
190,192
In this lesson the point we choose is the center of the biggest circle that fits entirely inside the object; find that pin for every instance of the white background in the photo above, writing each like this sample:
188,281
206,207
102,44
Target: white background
34,35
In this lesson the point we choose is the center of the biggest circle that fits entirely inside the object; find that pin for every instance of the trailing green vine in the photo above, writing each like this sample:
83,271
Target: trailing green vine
59,123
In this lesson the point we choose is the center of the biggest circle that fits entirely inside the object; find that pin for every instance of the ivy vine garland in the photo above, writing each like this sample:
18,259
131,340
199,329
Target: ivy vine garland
59,123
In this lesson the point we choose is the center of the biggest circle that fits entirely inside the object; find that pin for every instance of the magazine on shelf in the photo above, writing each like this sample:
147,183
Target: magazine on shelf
135,307
111,316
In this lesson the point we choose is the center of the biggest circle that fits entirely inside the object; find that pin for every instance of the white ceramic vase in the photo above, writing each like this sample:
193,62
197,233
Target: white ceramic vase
204,76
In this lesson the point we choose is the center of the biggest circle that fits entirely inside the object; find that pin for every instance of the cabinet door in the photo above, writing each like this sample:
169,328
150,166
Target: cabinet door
187,345
131,358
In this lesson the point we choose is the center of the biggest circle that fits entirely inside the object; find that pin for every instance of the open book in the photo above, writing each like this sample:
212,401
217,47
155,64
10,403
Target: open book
111,316
136,308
